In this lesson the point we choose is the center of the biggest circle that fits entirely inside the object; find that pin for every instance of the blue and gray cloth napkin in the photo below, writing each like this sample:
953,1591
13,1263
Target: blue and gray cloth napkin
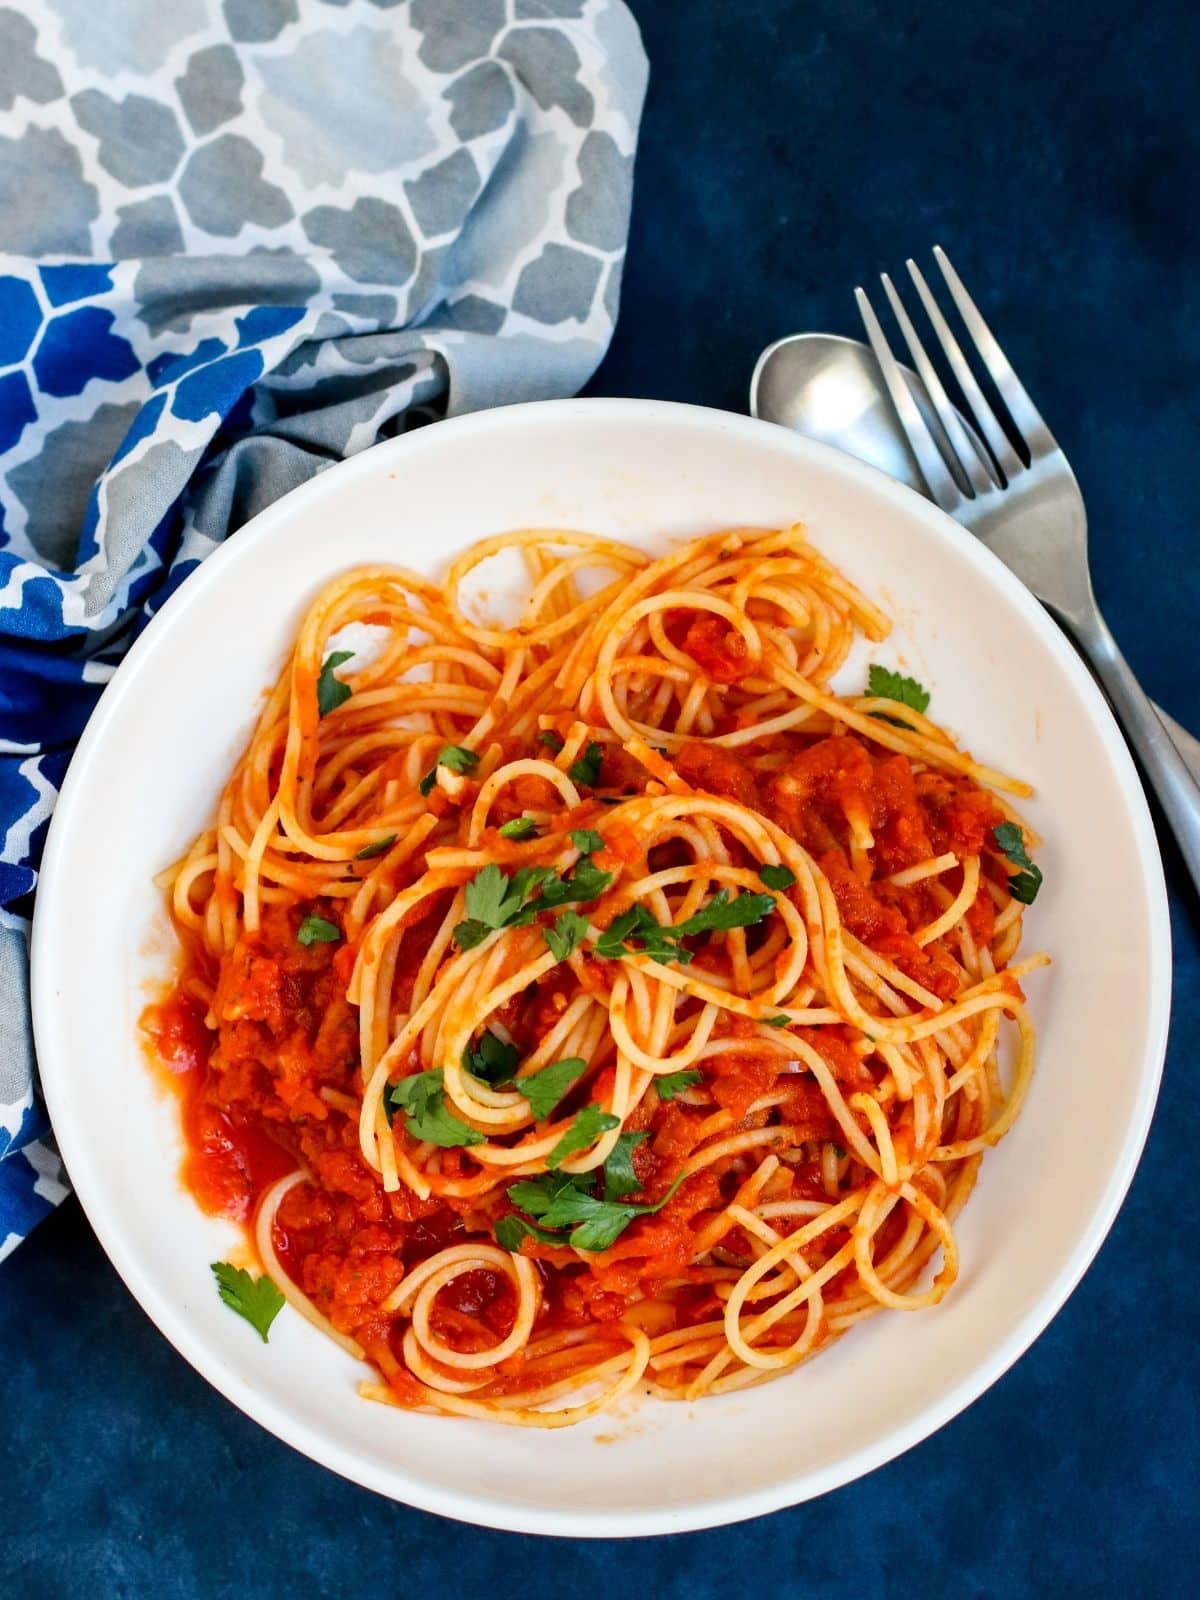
241,240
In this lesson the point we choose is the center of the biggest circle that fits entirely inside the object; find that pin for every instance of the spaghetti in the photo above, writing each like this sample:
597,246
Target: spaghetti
598,1003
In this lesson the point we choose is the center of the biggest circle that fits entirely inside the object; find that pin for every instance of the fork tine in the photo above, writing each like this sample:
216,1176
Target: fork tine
1007,458
957,440
1012,391
937,476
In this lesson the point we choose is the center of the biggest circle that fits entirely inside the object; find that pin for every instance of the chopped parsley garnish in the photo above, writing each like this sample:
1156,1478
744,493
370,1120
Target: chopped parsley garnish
587,1127
331,691
518,828
637,929
315,930
586,769
776,877
584,882
885,684
551,739
561,1200
510,1230
565,937
1023,886
453,756
376,849
494,900
492,1060
255,1299
673,1083
721,912
421,1098
619,1177
546,1088
586,841
781,1021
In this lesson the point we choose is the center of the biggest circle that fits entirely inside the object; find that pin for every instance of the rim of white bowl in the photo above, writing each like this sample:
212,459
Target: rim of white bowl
396,1483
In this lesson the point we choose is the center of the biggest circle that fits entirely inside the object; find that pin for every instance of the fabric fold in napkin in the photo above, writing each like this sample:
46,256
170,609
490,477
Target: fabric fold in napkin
241,240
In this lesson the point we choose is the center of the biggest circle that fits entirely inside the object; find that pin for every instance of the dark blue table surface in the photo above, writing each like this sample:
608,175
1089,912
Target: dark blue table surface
789,151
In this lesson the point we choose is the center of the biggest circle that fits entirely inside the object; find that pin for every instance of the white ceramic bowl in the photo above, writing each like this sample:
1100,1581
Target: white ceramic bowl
168,728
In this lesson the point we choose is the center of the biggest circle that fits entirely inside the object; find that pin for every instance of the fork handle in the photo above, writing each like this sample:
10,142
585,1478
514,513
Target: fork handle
1176,788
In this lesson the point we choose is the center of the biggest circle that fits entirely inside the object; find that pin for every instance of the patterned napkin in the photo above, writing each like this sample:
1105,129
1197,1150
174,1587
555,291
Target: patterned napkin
241,240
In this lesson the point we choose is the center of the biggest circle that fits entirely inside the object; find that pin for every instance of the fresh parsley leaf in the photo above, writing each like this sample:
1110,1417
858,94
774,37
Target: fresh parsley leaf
315,930
421,1098
551,739
518,828
565,937
619,1177
331,691
454,756
546,1088
492,1060
565,1200
652,939
776,876
1023,886
537,1195
585,882
376,849
673,1083
256,1299
885,684
596,1224
781,1021
721,912
494,899
510,1230
587,769
586,840
470,933
587,1127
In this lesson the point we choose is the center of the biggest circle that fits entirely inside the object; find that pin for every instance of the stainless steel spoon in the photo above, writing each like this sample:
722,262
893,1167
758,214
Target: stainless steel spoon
830,388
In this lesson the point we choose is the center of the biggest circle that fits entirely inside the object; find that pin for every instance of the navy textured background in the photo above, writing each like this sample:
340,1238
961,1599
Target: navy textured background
789,151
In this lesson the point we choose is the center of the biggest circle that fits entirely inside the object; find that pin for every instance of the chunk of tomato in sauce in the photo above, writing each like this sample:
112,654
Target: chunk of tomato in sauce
719,650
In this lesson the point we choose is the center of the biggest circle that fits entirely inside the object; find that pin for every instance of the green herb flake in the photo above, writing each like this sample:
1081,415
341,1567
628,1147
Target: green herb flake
721,913
315,930
492,1060
511,1230
255,1299
546,1088
674,1083
453,756
584,883
550,739
586,769
885,684
776,876
518,828
586,841
331,691
781,1021
1023,886
567,934
619,1177
595,1223
635,931
376,849
586,1128
423,1102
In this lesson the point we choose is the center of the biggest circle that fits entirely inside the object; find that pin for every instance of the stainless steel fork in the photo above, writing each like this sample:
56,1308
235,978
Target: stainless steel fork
1029,512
